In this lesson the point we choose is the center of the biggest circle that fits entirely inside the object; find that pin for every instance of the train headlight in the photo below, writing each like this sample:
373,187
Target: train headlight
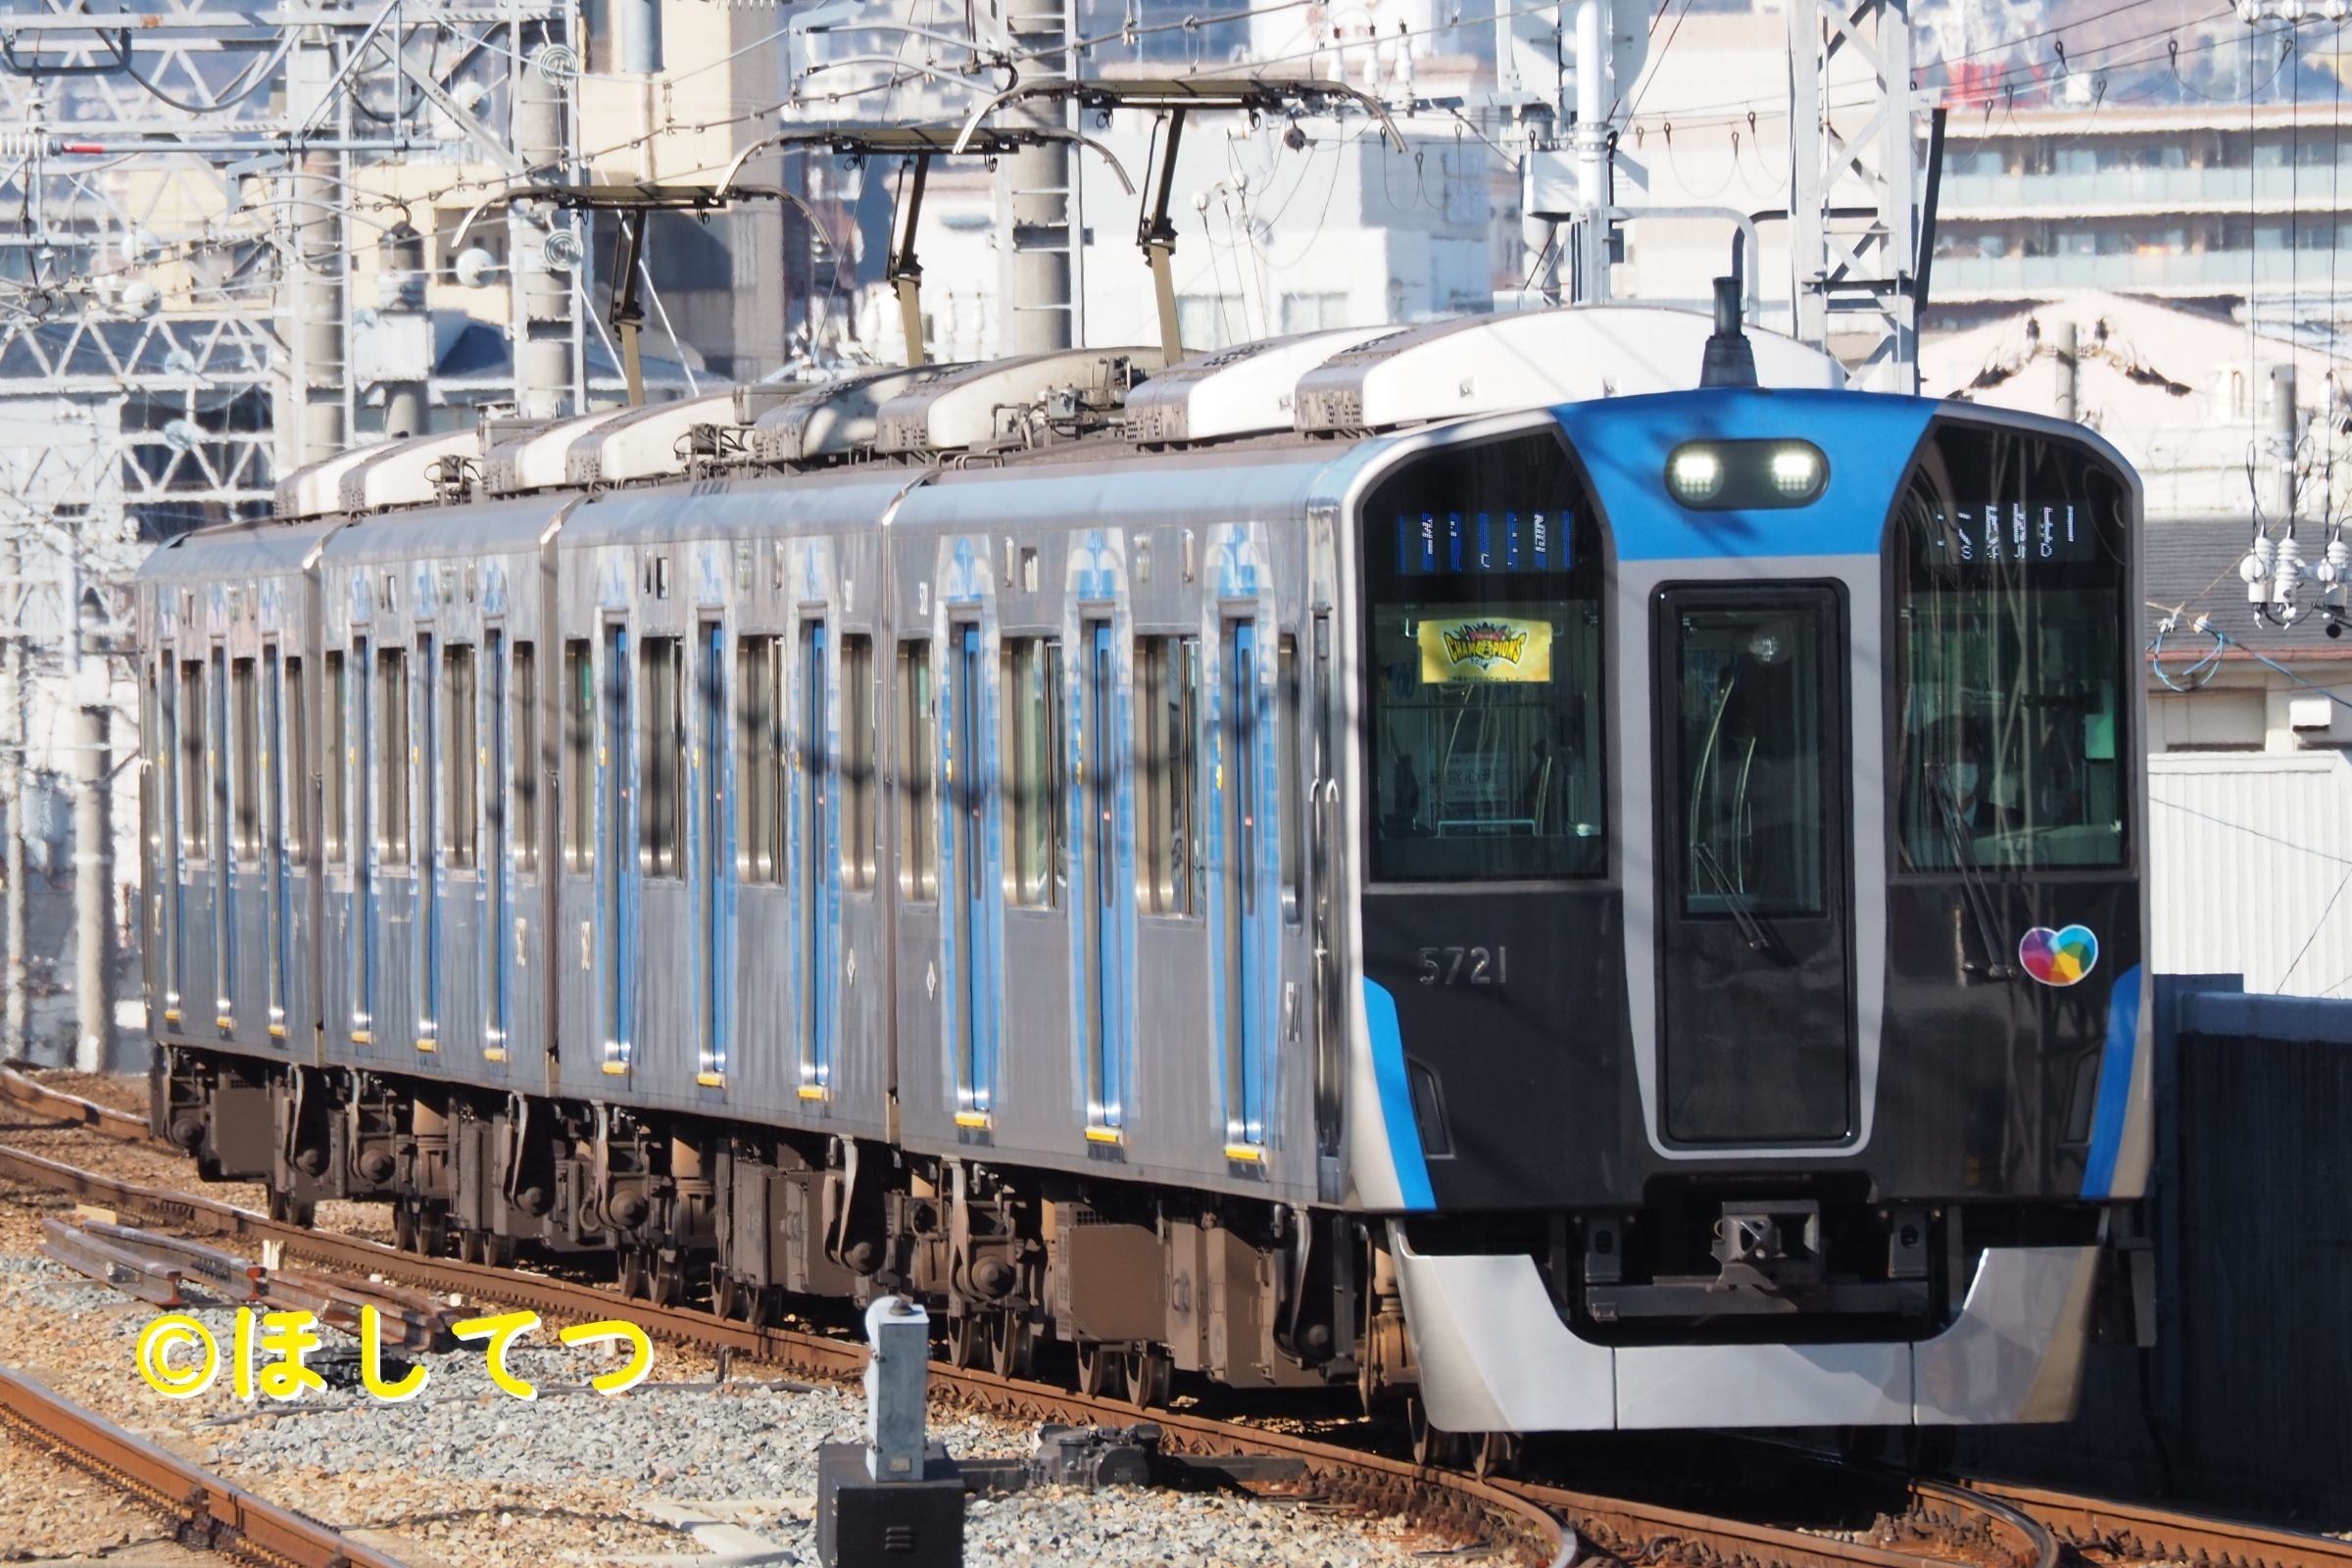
1746,476
1795,471
1695,474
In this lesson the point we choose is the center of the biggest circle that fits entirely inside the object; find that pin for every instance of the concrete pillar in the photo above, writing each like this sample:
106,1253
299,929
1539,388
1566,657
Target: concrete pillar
93,854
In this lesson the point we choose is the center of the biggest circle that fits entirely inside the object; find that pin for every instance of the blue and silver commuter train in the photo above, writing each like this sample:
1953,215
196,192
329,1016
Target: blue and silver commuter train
1462,862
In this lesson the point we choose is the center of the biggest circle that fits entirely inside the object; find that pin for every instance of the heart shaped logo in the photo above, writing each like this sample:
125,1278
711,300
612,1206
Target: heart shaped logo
2058,958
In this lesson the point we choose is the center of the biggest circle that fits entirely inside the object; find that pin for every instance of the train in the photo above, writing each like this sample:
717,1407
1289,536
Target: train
1569,871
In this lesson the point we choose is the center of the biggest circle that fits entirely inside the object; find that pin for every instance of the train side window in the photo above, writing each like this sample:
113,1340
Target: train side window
757,753
919,851
523,693
195,804
297,710
460,832
338,696
858,784
1167,701
662,825
1292,807
579,755
392,754
1030,765
245,759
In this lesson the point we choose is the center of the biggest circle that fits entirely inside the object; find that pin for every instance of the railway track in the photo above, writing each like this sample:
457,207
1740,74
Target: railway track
1939,1523
207,1513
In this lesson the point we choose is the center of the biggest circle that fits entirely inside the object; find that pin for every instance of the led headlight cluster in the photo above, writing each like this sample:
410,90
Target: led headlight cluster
1746,475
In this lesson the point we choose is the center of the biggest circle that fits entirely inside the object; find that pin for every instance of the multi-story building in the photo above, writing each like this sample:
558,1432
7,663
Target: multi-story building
2208,205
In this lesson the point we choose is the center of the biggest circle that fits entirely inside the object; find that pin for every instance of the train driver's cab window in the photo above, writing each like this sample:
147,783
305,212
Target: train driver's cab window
1482,667
2011,560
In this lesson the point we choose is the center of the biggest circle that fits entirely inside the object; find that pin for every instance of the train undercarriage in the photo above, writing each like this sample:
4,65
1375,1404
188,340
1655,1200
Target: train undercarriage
1118,1285
1132,1284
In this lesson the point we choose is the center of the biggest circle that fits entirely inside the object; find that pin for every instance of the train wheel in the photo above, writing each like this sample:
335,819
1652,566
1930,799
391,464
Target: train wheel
1009,1345
404,1225
1432,1447
1147,1374
432,1232
726,1294
964,1341
632,1272
498,1250
1495,1453
1098,1369
669,1279
288,1211
470,1245
760,1306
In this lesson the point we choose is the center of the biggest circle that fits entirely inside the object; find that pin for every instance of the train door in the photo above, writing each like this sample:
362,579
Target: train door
366,851
814,853
224,885
276,854
616,837
496,867
714,855
1755,983
174,841
1323,875
431,857
1240,775
965,752
1102,976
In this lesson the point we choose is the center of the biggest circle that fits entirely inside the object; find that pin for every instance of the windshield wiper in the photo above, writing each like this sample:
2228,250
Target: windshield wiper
1964,859
1703,856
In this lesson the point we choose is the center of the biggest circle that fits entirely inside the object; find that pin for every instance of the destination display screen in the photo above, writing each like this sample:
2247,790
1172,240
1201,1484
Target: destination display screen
2013,533
1478,544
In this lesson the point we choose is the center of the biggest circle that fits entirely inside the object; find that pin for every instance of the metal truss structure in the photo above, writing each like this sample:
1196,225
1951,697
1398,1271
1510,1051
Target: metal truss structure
190,183
1855,185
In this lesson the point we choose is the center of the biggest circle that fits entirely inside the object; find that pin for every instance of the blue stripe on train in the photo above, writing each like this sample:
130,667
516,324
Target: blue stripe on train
1624,443
1396,1098
2114,1104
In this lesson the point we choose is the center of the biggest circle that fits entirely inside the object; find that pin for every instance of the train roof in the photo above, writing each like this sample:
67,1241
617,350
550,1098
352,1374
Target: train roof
1081,406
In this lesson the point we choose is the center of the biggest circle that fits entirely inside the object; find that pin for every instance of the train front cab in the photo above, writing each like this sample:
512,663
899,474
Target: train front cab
1752,940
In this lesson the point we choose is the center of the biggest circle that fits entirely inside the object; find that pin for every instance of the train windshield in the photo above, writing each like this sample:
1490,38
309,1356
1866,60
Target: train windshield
1482,575
2011,563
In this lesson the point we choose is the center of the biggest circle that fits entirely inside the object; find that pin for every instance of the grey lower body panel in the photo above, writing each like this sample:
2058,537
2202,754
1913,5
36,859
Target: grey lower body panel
1495,1356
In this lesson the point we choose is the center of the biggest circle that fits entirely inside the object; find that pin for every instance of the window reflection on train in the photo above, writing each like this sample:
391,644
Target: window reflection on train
1483,642
2011,691
1752,742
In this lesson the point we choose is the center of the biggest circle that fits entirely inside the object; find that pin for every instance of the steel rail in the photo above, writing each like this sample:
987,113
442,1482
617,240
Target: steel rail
212,1514
1991,1527
2143,1533
62,1106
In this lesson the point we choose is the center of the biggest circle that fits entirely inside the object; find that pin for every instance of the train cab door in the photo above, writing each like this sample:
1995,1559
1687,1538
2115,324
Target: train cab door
1755,991
965,754
1104,979
427,852
1239,775
1323,891
170,799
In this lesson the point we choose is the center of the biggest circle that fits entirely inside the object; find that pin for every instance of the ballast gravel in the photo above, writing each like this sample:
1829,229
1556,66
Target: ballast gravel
466,1475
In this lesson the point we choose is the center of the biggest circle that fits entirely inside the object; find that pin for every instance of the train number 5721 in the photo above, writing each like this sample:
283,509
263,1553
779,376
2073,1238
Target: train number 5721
1465,967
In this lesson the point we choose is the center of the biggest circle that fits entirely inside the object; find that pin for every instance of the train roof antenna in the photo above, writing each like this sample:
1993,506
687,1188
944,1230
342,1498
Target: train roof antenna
1731,359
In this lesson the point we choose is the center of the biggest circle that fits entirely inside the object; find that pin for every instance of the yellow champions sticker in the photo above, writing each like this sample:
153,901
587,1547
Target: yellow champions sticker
1485,648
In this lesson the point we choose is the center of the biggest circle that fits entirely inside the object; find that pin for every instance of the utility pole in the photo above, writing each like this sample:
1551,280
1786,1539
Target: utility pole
12,786
1037,187
93,831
